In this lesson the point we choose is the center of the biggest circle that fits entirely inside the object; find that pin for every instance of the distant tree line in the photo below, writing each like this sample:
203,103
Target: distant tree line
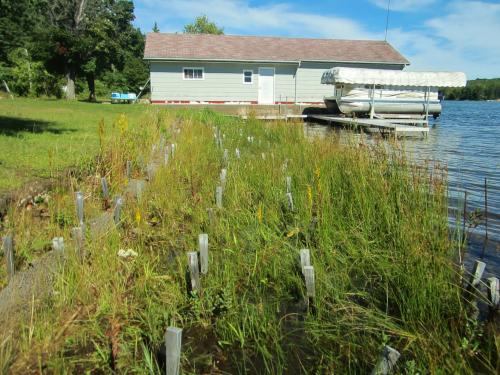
477,89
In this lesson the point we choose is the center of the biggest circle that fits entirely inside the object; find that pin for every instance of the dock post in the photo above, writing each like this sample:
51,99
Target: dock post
428,94
372,106
173,343
386,361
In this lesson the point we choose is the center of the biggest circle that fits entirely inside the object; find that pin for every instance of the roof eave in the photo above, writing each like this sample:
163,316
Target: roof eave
361,62
219,60
276,61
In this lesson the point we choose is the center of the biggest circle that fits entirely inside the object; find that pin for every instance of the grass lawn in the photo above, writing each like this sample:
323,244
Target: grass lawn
38,137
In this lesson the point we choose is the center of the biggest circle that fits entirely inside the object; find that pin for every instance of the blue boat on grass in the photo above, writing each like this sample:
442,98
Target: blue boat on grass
118,97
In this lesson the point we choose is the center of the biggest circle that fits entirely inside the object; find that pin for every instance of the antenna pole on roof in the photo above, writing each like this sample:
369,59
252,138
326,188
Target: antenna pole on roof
387,18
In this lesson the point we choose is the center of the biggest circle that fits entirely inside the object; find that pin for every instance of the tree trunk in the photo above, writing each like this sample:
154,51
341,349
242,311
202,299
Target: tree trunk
91,84
70,83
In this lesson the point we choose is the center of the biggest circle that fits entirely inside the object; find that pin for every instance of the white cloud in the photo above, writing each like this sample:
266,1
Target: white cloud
466,38
465,35
240,16
403,5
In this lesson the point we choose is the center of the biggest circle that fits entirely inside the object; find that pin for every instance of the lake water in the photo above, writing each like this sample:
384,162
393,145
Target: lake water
466,139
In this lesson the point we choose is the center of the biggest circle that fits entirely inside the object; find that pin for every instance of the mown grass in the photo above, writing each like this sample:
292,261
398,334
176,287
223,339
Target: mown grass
40,138
375,224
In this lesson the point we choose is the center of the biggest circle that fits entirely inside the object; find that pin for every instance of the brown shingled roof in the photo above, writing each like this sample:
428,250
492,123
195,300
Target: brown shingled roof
257,48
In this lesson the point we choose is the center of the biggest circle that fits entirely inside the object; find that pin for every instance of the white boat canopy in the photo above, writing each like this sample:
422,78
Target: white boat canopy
360,76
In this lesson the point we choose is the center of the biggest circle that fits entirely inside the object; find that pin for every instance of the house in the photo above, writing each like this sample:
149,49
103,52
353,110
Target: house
229,69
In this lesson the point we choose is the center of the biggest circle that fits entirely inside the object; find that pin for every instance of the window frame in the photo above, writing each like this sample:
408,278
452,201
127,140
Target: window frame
245,71
193,68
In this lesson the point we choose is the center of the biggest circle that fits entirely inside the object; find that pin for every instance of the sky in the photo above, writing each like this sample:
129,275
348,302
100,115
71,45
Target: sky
443,35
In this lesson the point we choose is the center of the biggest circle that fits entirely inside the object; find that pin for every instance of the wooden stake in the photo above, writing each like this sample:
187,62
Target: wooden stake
203,249
386,362
305,259
210,212
218,196
194,270
477,273
118,209
79,208
105,189
493,292
77,235
172,149
58,244
129,169
166,155
222,177
150,170
285,165
238,154
8,249
290,201
288,184
173,343
310,285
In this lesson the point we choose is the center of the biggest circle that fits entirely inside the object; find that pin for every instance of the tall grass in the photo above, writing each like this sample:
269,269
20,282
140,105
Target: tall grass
376,226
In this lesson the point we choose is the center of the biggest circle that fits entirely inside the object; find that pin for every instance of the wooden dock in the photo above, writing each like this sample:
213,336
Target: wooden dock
391,126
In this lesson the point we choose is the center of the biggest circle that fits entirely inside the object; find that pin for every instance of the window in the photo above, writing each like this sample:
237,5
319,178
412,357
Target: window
194,73
248,77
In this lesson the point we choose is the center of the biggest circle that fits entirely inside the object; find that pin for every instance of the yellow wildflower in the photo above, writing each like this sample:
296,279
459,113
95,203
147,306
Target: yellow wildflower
309,195
259,213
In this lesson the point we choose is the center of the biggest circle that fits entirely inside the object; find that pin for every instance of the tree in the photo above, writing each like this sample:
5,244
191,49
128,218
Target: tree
18,21
156,28
90,37
202,25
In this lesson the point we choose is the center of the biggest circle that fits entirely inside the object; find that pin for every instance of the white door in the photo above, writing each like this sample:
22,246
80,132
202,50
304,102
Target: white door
266,85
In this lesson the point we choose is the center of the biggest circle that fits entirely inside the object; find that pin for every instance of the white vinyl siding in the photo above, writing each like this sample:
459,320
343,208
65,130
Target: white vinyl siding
224,82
